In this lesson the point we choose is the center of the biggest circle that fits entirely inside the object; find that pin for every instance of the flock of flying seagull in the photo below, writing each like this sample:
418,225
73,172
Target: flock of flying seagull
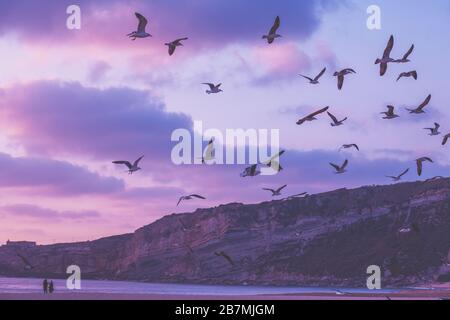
254,170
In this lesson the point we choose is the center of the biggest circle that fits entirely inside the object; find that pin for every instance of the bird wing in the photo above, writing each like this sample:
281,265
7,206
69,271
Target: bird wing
335,166
383,68
356,146
414,74
268,189
127,163
425,103
401,75
419,167
320,74
142,22
179,200
444,141
211,85
403,173
181,39
307,77
407,54
318,112
172,48
281,188
335,120
137,161
197,196
25,261
349,70
344,165
390,45
275,26
437,125
340,81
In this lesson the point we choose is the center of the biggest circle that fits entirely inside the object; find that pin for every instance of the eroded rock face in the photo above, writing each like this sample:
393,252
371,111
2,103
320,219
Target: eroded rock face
322,240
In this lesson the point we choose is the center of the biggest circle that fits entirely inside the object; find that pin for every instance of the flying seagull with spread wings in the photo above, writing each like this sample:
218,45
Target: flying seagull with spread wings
348,146
131,167
273,31
340,169
336,122
190,197
405,57
383,62
140,33
213,88
312,116
316,79
390,114
420,108
276,192
419,163
434,131
399,177
174,44
408,75
341,74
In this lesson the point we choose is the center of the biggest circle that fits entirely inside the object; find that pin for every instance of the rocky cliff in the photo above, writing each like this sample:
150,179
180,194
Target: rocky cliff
327,239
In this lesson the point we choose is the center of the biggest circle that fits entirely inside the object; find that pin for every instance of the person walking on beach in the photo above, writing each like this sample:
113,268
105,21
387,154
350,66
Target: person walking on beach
51,288
45,286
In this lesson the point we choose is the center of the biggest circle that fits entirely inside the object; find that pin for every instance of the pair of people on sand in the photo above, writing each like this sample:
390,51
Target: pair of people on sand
48,286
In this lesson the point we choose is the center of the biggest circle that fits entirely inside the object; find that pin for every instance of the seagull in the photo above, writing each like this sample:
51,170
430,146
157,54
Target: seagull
224,255
404,230
312,116
273,31
131,167
276,192
341,74
340,169
435,178
420,108
213,88
446,137
208,155
336,122
174,44
434,131
399,177
405,57
140,33
390,114
348,146
190,197
383,62
419,163
407,75
316,79
251,171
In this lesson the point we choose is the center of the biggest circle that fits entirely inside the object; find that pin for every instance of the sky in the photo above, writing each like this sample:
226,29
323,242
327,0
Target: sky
74,100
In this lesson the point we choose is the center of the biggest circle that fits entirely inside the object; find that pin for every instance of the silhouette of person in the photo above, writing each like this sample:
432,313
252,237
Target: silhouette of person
51,288
45,286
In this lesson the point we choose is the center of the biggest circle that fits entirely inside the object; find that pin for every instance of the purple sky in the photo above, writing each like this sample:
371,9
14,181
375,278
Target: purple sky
72,101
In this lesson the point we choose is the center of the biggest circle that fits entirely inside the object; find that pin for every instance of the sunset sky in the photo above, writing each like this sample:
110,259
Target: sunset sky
72,101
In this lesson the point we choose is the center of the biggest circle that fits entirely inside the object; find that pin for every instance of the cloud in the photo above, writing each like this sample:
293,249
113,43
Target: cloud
27,210
98,71
68,119
206,22
40,175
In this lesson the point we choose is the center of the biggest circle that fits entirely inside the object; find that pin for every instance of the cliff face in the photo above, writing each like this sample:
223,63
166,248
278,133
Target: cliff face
322,240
